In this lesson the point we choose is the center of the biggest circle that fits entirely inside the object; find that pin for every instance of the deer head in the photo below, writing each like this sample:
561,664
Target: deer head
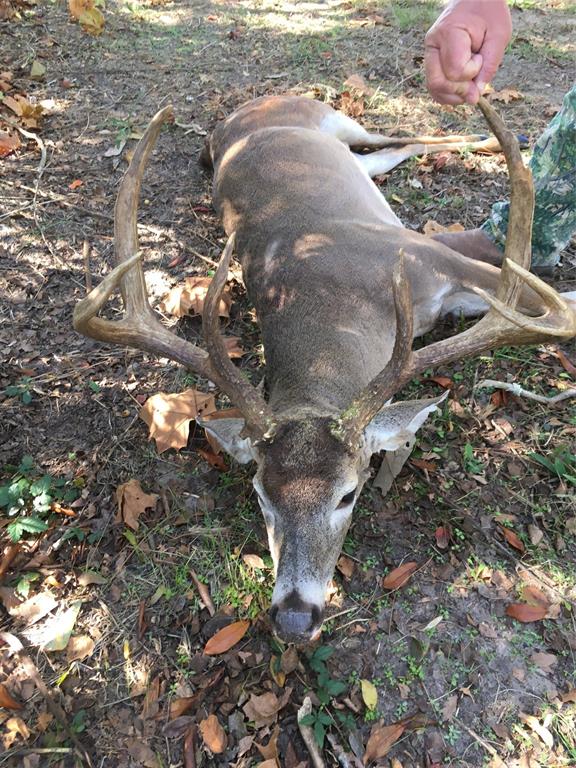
311,465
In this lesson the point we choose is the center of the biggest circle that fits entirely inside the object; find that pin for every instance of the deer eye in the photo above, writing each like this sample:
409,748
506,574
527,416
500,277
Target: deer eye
348,499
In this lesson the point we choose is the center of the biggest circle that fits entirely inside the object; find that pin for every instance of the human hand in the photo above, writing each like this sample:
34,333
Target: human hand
464,49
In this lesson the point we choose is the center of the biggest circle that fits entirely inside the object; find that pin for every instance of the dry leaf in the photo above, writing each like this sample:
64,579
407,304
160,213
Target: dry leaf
75,184
442,381
346,566
262,710
569,697
369,694
533,723
289,660
254,561
432,227
143,755
357,83
28,113
150,705
90,18
545,661
450,707
512,539
232,344
399,576
276,672
506,95
204,593
168,416
382,739
526,613
442,535
6,699
132,502
214,459
351,104
535,596
8,143
30,611
79,647
535,533
61,628
189,298
269,752
226,638
37,70
568,366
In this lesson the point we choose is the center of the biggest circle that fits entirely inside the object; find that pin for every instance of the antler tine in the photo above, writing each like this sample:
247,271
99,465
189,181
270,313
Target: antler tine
503,324
385,384
140,327
246,397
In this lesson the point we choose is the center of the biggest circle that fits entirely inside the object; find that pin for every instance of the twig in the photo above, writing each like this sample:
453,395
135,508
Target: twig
519,391
498,762
32,671
308,734
86,257
342,756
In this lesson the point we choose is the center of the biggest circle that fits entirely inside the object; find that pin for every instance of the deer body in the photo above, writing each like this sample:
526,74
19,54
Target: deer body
338,308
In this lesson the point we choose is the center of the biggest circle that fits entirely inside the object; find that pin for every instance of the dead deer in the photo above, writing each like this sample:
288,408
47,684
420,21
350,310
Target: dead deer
340,288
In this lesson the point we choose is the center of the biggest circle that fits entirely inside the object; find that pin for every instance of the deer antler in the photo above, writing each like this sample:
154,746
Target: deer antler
140,326
503,324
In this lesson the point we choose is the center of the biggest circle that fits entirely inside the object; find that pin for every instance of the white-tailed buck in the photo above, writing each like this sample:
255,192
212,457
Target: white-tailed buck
340,288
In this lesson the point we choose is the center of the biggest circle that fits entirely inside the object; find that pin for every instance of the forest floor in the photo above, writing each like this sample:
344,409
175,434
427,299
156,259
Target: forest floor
113,670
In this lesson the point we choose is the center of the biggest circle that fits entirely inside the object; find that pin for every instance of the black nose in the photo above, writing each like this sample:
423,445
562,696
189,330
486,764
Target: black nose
295,620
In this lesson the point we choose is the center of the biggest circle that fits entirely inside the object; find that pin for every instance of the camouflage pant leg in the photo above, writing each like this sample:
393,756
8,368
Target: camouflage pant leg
553,166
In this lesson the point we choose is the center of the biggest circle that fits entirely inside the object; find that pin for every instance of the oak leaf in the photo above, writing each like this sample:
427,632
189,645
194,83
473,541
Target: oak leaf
132,501
28,113
79,647
213,735
262,710
506,95
399,576
512,539
226,638
432,227
168,416
189,298
90,18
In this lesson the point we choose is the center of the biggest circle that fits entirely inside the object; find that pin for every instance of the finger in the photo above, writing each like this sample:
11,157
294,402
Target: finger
456,56
492,53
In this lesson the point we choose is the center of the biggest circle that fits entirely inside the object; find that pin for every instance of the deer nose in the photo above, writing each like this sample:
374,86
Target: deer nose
295,620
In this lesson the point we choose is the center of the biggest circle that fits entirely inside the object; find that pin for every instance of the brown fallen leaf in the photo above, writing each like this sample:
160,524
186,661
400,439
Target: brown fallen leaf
168,416
6,699
352,104
382,738
534,724
232,344
79,647
29,611
526,613
150,705
512,538
269,751
427,466
506,95
450,707
432,227
399,576
262,710
90,18
569,697
132,502
204,592
357,83
254,561
28,113
9,143
567,364
190,747
190,296
226,638
75,184
442,381
143,754
442,534
213,735
545,661
215,460
534,596
289,661
346,566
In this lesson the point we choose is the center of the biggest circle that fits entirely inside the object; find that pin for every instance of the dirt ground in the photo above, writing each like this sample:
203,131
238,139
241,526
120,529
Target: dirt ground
460,682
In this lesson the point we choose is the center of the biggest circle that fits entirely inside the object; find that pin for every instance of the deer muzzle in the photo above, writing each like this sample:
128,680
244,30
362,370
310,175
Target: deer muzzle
295,620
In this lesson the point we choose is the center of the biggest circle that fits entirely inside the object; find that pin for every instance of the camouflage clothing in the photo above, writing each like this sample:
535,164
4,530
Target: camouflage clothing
553,166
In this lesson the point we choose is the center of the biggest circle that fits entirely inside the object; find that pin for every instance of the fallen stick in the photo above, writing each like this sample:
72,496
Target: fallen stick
519,391
308,734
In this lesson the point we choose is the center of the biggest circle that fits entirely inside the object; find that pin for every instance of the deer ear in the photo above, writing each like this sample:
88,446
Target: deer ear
395,426
227,432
